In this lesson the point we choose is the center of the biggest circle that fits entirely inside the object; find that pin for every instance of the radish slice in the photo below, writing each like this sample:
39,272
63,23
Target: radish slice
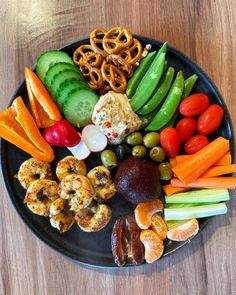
80,151
96,141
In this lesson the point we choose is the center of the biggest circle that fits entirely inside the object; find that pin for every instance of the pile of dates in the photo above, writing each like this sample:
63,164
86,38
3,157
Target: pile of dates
126,245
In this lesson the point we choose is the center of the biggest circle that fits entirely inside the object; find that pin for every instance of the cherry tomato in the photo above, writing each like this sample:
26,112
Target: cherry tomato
170,142
62,133
194,105
210,120
186,127
195,144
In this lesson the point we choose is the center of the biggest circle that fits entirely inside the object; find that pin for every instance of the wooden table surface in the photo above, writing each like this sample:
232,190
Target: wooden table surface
206,32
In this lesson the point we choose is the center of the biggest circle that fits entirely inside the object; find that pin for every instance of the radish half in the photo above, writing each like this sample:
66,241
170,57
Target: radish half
95,140
80,151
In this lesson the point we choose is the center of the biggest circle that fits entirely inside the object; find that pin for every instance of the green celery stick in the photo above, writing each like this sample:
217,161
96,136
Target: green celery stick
199,196
195,212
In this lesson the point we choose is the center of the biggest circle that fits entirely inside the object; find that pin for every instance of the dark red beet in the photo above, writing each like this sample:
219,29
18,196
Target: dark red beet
138,180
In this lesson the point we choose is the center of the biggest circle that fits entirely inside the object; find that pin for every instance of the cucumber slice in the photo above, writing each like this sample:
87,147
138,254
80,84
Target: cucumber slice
62,77
55,69
49,58
66,87
79,106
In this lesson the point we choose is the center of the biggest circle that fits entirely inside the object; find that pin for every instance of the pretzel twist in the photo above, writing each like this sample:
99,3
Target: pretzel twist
86,54
133,53
92,75
96,40
114,76
113,41
121,63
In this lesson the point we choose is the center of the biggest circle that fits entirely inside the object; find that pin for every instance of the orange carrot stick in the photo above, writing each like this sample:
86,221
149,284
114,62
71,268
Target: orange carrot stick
212,182
219,170
42,95
225,160
170,190
198,163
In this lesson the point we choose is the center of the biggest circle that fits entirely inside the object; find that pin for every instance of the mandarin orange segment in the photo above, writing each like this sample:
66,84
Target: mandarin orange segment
144,212
153,245
182,230
159,226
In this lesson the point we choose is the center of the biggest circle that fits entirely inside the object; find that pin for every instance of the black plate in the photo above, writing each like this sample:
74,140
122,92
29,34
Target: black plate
94,248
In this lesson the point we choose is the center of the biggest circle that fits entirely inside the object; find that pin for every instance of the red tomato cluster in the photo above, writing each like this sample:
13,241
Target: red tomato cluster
208,120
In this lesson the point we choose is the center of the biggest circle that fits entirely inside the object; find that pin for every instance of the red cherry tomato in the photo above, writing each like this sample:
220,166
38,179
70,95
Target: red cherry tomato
170,142
195,144
62,133
210,120
186,127
194,105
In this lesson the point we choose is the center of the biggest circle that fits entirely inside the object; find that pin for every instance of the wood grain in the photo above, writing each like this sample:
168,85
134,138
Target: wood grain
206,32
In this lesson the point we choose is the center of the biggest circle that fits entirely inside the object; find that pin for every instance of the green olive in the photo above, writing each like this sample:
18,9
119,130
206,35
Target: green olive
165,171
157,154
109,159
151,139
139,151
134,138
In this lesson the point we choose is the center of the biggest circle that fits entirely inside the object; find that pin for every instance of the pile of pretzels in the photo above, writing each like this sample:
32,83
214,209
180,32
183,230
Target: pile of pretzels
109,59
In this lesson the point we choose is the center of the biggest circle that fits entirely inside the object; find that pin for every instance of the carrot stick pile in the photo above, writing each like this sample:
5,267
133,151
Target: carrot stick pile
204,169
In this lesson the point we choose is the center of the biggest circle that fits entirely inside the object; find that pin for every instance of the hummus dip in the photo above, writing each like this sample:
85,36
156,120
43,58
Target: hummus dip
115,117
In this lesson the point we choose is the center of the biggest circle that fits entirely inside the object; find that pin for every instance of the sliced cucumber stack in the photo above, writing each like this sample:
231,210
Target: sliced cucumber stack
57,68
60,78
49,58
66,87
78,107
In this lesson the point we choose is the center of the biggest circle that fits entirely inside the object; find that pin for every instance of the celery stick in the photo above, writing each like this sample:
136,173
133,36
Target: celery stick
195,212
199,196
181,205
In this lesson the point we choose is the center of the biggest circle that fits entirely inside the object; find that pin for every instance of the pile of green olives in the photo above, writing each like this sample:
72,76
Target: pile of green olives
140,145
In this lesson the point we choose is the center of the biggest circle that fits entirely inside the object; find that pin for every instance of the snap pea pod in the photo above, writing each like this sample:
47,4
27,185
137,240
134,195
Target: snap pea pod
146,119
188,86
148,83
160,93
139,73
165,66
162,49
170,105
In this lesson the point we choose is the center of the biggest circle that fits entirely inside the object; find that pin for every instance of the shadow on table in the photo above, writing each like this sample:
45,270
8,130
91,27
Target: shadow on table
183,253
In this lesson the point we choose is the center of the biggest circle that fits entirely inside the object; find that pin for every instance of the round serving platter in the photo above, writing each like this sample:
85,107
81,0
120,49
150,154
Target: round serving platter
95,248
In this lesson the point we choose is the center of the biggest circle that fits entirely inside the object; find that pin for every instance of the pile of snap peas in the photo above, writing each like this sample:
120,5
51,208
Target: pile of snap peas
155,93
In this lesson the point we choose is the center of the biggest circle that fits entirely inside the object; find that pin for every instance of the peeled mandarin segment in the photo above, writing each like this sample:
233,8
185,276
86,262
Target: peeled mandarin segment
182,230
159,226
144,212
153,245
